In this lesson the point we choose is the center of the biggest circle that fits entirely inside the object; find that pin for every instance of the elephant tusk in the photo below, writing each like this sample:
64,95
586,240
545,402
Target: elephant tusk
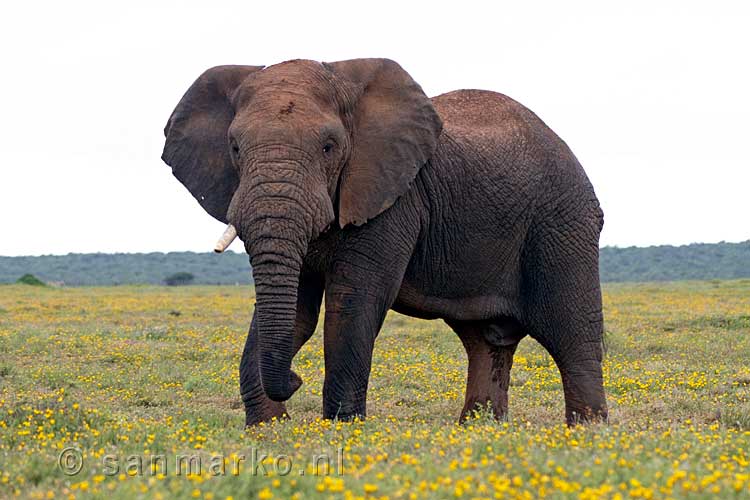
226,239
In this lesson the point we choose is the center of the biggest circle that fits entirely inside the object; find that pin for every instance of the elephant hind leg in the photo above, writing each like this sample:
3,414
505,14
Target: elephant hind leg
490,346
563,310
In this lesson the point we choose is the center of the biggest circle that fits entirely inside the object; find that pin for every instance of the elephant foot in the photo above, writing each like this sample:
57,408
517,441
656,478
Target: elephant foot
264,409
585,400
345,417
265,412
344,412
586,415
497,408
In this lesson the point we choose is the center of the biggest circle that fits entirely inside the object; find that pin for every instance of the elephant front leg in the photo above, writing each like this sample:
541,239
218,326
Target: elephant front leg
258,406
357,301
351,326
348,346
362,283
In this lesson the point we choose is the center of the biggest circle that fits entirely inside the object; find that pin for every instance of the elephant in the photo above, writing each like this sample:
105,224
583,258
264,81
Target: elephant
350,187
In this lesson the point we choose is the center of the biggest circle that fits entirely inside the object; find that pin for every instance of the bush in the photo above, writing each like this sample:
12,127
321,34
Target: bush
30,279
179,279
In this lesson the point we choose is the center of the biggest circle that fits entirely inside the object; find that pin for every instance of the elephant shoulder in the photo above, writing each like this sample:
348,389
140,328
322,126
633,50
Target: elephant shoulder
498,126
511,140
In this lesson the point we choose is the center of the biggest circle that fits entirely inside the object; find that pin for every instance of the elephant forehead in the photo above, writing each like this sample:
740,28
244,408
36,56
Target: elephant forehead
285,103
282,114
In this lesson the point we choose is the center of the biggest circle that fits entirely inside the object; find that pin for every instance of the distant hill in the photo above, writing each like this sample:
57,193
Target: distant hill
662,263
699,261
78,269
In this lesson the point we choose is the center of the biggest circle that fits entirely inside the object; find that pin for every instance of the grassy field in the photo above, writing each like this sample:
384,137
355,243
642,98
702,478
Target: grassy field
136,385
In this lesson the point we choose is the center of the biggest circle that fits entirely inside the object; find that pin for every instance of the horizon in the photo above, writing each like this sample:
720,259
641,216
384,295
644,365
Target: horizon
651,98
242,252
701,261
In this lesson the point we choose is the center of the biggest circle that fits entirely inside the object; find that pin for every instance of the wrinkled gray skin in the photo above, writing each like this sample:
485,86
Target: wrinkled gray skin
345,181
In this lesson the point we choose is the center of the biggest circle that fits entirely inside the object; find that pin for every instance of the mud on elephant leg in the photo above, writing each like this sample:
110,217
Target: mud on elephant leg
490,346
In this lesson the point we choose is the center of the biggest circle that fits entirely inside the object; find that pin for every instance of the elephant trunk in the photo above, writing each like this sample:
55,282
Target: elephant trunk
276,230
276,247
276,272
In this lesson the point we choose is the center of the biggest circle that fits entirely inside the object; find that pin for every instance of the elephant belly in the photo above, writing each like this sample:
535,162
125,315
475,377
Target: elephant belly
464,309
471,286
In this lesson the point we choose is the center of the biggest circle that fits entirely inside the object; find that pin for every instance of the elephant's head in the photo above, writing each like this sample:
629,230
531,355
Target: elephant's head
281,153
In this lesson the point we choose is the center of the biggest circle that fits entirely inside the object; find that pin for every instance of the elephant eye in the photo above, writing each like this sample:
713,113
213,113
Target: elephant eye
327,148
235,149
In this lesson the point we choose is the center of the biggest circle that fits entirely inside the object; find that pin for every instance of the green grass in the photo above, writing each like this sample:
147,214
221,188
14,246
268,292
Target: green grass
126,374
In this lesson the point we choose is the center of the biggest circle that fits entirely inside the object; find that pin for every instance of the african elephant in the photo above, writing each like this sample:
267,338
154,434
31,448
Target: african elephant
345,181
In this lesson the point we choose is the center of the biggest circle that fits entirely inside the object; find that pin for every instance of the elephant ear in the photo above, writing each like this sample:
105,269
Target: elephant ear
395,132
196,138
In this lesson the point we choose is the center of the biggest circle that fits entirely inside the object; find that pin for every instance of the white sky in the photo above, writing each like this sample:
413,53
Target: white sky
653,98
